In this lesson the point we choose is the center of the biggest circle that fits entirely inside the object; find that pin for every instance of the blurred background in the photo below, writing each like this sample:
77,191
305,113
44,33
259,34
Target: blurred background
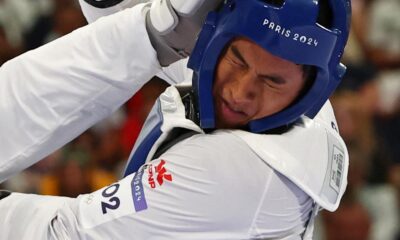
367,107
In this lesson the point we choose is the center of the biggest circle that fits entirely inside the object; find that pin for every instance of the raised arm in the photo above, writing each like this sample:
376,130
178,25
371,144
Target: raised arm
50,95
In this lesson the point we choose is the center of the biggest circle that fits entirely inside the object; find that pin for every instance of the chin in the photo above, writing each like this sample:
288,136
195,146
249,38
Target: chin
228,125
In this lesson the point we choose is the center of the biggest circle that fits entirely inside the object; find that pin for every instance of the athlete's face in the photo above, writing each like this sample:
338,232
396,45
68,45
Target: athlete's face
251,83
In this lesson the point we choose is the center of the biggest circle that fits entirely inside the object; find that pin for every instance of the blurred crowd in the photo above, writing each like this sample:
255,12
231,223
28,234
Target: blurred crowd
367,107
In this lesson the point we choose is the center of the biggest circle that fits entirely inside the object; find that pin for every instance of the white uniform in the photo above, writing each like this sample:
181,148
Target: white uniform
50,95
224,185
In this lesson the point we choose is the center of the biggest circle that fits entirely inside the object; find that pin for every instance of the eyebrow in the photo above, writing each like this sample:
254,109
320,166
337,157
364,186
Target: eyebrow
237,54
276,79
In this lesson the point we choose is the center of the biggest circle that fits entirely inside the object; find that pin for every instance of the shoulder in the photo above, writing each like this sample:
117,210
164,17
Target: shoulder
312,155
218,149
230,175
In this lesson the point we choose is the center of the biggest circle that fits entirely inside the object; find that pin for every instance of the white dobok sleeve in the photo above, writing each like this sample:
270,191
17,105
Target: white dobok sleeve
205,187
92,13
176,73
50,95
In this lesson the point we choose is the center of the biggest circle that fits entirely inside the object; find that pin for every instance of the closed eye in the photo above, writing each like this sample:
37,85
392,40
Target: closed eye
277,80
273,80
239,59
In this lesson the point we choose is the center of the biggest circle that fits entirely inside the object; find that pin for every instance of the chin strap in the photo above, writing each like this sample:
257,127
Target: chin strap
167,124
190,103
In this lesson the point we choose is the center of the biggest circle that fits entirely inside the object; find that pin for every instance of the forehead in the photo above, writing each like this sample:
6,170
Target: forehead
260,57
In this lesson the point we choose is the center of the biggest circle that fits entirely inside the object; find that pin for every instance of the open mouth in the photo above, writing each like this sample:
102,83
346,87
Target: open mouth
231,113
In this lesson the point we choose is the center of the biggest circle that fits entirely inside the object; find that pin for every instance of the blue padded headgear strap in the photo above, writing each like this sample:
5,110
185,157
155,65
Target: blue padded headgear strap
291,32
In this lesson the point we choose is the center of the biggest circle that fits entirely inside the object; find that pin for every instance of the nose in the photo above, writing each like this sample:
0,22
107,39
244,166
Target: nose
244,89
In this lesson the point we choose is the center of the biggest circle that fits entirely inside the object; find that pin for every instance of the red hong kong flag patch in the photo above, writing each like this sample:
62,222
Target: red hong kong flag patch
160,173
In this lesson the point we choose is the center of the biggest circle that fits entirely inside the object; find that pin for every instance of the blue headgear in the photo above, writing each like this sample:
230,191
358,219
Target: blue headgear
289,31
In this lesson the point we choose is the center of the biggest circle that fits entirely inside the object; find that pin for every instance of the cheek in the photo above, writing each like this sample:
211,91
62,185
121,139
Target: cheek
222,76
292,93
292,90
270,103
298,87
273,101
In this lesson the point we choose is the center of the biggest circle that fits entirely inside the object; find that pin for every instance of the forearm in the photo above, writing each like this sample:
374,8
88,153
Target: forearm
92,13
50,95
28,216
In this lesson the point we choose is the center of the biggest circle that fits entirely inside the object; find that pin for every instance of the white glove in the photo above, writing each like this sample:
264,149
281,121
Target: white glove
173,26
94,9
